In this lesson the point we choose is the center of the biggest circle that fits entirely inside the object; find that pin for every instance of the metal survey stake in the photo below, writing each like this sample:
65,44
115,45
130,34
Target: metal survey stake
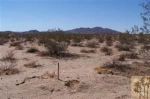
58,71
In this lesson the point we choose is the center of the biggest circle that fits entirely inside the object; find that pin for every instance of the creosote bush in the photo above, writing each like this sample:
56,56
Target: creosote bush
92,43
56,49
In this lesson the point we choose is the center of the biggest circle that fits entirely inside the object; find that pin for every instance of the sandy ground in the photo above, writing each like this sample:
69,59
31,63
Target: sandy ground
91,85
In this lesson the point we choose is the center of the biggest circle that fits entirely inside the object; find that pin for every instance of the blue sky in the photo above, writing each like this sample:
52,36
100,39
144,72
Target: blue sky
22,15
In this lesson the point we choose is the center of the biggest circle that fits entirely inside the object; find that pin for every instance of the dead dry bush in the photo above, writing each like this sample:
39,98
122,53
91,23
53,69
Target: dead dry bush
121,57
116,65
145,47
88,51
10,56
43,53
48,75
115,68
130,55
7,64
32,50
102,70
71,83
15,43
19,47
77,44
32,65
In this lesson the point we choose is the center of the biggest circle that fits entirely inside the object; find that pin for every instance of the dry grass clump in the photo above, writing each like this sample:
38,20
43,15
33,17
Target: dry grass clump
7,64
102,70
88,51
32,50
106,50
32,65
92,43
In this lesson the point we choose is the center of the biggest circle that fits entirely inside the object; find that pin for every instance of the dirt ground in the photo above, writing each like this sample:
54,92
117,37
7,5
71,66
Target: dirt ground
78,79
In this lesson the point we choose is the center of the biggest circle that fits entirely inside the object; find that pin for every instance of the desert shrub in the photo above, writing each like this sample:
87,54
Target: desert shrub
109,40
71,83
109,43
145,53
77,44
101,39
3,41
19,47
121,57
106,50
17,43
130,55
92,43
56,49
123,47
145,47
32,50
102,70
7,65
43,53
9,56
32,65
116,66
88,51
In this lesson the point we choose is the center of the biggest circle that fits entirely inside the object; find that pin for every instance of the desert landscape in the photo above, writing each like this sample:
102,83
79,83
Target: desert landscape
96,67
74,49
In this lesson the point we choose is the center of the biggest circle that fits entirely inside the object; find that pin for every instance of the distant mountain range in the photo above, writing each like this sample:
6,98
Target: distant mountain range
95,30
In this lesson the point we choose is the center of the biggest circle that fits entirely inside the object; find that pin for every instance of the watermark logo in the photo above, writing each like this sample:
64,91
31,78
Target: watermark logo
140,87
